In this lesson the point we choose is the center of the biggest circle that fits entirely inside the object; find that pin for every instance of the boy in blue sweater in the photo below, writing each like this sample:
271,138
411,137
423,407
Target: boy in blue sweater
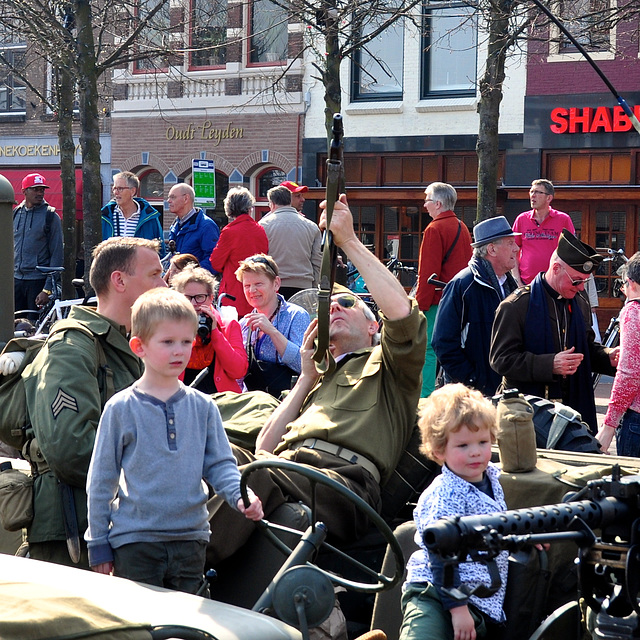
156,441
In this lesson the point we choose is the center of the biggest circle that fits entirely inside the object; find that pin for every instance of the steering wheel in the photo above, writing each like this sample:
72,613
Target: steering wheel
315,477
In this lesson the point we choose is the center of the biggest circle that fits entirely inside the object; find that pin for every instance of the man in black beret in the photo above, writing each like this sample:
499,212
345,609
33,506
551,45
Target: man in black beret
542,342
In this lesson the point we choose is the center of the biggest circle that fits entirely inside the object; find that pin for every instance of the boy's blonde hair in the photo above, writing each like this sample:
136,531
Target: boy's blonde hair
197,274
157,306
447,410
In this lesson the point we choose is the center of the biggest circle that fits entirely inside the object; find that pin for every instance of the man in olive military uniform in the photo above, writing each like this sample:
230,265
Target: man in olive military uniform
542,342
66,389
352,424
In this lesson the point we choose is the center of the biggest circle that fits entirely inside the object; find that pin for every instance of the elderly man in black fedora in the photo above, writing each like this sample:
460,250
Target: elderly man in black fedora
462,330
542,341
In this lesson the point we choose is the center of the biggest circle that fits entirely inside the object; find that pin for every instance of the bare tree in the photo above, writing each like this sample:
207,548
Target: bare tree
81,40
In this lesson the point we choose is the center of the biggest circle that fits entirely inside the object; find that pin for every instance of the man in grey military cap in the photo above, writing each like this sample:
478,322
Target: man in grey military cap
542,342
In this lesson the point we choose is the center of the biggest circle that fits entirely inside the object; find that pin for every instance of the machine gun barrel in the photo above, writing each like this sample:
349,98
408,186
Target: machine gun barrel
449,536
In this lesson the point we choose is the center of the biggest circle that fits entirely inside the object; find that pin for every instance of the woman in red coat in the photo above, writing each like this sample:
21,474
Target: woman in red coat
241,238
219,344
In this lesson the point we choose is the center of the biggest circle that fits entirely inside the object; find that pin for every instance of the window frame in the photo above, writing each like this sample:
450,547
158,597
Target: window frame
250,39
556,38
193,25
12,48
356,69
425,62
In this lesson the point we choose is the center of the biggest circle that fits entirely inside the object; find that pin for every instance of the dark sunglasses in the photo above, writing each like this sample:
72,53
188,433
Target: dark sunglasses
199,298
577,282
345,301
264,261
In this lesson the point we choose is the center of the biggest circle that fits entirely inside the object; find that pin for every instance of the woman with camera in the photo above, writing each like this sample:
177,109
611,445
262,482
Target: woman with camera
273,331
219,345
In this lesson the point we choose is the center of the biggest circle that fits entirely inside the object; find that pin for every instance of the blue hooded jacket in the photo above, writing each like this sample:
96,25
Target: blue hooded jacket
198,236
149,225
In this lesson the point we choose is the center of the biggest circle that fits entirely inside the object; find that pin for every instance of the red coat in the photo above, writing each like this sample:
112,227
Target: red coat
231,360
436,241
241,238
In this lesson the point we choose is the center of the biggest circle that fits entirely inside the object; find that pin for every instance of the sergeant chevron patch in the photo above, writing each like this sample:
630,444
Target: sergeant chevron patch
63,401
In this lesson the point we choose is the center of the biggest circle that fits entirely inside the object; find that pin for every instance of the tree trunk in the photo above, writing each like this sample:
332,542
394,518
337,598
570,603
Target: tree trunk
489,111
65,87
90,131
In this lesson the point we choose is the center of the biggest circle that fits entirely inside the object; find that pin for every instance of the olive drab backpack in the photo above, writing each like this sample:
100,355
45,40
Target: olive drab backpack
14,413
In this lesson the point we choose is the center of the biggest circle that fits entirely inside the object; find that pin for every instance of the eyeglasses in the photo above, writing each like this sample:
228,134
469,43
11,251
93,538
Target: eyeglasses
345,301
539,193
199,298
577,282
264,261
120,189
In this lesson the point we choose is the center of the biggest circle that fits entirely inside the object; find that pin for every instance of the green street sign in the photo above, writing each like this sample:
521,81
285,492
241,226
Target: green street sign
204,183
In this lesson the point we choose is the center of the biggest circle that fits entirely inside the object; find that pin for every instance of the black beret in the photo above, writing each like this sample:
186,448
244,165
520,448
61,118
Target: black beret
577,254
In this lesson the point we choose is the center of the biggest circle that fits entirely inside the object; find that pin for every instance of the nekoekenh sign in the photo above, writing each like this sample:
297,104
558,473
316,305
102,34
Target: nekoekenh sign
576,121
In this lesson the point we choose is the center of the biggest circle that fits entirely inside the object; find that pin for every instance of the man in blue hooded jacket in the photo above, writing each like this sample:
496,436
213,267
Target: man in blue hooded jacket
462,330
129,216
192,230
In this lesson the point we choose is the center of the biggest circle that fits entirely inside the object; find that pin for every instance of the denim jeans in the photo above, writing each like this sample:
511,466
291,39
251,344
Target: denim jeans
628,436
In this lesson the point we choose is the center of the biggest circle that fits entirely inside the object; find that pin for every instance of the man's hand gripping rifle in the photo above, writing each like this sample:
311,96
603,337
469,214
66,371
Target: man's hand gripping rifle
335,186
609,564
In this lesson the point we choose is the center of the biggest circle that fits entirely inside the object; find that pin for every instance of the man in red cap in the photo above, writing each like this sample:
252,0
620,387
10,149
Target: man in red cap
37,241
297,197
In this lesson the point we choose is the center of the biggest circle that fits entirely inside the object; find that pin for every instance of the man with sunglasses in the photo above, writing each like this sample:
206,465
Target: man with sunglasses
353,423
542,342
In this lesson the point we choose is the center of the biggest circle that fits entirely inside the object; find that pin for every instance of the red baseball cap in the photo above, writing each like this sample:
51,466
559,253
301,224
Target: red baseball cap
34,180
293,187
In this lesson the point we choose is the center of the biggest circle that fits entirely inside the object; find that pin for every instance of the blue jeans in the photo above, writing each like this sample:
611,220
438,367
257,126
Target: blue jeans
628,436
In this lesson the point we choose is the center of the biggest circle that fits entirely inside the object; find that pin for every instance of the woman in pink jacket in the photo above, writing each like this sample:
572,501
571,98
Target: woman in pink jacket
219,346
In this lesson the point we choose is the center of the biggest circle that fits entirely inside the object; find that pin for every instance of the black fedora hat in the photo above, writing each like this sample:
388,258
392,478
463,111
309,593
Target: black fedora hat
491,230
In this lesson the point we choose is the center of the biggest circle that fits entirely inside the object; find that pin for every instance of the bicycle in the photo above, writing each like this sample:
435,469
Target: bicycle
56,308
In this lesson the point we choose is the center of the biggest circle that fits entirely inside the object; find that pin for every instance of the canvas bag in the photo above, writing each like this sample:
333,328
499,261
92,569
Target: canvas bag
516,433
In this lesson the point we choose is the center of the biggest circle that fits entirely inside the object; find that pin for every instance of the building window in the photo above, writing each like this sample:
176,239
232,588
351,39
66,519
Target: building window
152,185
449,46
270,178
13,90
377,66
587,21
154,38
269,32
208,33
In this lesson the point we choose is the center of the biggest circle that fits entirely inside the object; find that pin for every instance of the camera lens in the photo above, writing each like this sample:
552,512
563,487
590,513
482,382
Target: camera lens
204,327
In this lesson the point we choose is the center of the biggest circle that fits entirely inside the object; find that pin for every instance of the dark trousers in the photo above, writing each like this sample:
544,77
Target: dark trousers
25,293
230,529
56,551
177,564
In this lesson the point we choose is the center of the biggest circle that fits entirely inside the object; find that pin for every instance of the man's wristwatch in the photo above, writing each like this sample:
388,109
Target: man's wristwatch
47,292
